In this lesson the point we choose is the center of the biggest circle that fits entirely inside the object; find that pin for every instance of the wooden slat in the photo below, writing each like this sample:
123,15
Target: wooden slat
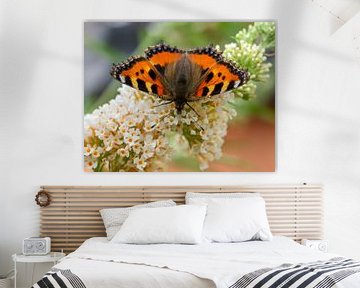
73,216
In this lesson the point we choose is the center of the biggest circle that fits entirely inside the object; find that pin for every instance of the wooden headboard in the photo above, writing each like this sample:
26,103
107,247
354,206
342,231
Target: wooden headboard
73,214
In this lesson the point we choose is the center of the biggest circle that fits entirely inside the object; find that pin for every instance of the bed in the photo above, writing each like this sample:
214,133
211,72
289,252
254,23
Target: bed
99,263
293,210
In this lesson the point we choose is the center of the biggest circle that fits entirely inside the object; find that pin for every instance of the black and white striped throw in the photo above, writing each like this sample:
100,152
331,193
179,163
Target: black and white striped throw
320,274
57,278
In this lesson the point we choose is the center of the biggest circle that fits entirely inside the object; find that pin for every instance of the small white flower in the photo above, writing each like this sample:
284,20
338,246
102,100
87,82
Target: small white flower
130,139
112,125
147,153
135,132
87,150
123,152
130,121
149,140
149,126
90,164
171,120
136,148
140,163
95,154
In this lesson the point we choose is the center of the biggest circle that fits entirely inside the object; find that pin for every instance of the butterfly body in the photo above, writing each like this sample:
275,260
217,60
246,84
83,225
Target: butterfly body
180,76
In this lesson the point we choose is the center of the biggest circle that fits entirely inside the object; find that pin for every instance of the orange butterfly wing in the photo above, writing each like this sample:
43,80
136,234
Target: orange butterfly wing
162,54
220,75
146,74
137,72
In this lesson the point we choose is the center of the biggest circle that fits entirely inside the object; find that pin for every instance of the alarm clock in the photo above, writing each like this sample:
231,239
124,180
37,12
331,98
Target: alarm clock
320,245
36,246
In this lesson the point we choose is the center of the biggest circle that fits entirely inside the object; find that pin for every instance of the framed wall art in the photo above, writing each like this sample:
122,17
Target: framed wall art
179,96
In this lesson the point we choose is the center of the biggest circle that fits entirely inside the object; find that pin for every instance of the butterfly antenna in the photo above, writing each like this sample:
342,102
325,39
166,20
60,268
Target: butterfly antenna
195,122
162,104
161,118
198,125
192,109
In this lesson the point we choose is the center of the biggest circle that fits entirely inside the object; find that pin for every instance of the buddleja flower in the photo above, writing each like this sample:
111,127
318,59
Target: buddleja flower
132,132
249,51
205,145
126,134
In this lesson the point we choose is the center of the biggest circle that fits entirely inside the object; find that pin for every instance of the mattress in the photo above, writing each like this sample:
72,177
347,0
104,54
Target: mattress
99,263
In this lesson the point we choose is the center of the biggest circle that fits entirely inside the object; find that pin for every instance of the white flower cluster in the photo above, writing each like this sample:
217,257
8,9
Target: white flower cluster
127,134
206,146
252,57
131,132
244,50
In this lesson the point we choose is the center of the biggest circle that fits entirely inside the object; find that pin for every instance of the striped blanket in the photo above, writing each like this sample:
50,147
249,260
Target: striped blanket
57,278
320,274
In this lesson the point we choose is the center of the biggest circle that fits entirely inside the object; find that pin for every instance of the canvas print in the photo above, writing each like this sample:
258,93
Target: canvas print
179,96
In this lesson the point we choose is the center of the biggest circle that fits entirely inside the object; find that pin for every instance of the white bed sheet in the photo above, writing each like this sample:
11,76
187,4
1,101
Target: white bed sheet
100,263
111,274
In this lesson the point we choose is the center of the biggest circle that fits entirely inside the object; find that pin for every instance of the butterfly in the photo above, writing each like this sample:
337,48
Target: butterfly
180,76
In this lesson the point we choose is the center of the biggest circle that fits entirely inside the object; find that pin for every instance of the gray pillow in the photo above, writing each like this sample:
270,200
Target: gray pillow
203,198
113,218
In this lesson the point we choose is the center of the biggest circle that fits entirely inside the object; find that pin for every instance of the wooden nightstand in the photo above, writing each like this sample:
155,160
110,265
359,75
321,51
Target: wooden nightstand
53,257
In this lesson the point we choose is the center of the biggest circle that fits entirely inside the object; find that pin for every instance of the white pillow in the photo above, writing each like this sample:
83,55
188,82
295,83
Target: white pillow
113,218
180,224
204,198
236,220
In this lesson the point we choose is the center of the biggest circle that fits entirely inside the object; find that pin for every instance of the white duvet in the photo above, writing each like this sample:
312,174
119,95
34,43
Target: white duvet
100,263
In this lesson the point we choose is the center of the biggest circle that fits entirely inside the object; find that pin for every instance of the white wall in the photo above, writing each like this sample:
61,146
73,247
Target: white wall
318,100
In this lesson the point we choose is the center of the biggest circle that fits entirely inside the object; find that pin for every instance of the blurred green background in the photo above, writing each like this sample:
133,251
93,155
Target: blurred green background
112,42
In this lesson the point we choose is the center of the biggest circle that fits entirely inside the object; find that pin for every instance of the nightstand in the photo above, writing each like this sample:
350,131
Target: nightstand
320,245
53,257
